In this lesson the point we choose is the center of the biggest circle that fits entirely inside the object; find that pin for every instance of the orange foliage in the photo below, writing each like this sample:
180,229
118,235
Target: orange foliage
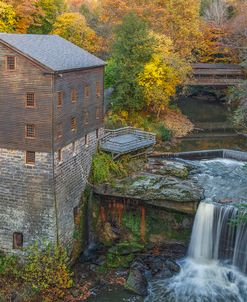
178,19
26,13
177,123
213,47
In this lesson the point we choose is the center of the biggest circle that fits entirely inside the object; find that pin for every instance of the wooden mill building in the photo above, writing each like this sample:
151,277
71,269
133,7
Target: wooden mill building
51,116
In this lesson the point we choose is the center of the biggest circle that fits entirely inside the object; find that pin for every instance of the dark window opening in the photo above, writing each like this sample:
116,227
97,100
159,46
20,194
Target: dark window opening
87,91
86,140
60,130
17,240
59,99
98,89
73,147
59,155
85,118
73,123
97,113
30,100
30,157
11,63
73,95
30,131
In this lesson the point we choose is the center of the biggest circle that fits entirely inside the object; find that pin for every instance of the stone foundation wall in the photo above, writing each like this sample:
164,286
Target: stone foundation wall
39,201
71,175
26,199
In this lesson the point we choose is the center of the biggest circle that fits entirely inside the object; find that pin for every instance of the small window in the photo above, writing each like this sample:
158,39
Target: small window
17,240
73,147
73,95
85,118
97,133
60,99
30,100
86,140
11,63
87,91
59,155
73,123
59,130
30,157
97,113
30,131
98,89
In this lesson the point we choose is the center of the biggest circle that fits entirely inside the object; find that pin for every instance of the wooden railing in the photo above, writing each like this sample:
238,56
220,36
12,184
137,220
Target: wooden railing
128,130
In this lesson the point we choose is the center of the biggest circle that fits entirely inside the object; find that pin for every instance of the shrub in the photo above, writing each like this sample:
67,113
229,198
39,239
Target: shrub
163,133
47,271
105,169
8,266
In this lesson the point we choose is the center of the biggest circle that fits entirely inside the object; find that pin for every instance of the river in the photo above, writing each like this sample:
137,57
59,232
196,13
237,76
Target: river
213,127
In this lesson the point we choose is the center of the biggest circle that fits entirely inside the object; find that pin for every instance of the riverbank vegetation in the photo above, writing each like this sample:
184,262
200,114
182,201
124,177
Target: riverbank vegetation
44,275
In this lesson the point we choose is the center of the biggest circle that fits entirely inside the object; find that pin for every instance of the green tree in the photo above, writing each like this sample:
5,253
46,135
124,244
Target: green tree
73,27
8,17
132,49
51,9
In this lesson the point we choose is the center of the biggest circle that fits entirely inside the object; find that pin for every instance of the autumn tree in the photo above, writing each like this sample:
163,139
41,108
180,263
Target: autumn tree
73,27
26,13
182,24
8,17
50,9
214,47
177,19
131,51
162,74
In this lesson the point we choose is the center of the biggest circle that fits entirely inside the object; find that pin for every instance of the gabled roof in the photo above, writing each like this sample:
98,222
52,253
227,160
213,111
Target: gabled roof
52,51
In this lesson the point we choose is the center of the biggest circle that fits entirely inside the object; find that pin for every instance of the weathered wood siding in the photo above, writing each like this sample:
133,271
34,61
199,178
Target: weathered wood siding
14,86
78,80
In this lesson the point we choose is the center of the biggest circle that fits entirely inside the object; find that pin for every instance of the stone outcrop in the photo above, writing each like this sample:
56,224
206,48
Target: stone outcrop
164,184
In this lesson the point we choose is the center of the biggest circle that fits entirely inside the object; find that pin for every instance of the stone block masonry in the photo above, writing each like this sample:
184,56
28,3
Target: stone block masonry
71,175
38,201
26,198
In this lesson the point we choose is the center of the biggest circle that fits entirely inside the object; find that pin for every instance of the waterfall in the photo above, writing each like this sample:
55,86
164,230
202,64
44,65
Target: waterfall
216,237
211,272
216,267
201,246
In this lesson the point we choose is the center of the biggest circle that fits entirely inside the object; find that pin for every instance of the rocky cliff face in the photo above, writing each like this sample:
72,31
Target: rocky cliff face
152,208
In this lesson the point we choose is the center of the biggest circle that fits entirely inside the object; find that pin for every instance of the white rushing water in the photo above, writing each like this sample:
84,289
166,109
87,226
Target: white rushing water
217,257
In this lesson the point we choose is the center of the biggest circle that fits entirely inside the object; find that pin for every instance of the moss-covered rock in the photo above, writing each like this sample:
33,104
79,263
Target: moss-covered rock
168,168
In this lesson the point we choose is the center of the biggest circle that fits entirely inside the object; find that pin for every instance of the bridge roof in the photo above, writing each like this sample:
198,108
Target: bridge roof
215,66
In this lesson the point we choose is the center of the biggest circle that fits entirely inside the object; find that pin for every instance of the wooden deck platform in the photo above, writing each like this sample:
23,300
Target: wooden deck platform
126,140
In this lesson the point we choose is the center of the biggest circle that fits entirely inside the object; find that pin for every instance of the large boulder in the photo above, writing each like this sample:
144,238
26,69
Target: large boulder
161,191
147,267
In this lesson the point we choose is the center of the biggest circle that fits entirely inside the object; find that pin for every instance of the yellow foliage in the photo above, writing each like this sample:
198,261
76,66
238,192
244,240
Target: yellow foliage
162,74
73,27
47,271
8,17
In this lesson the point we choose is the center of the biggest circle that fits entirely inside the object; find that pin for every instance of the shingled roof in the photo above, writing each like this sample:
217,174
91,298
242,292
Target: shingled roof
52,51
